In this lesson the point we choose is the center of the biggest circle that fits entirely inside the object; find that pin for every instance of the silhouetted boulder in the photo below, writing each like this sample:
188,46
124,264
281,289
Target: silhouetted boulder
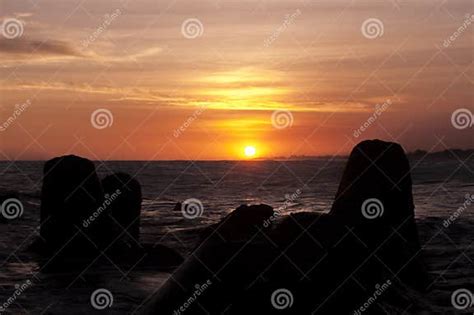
348,255
81,227
124,197
325,263
375,200
232,255
377,170
242,222
353,252
71,194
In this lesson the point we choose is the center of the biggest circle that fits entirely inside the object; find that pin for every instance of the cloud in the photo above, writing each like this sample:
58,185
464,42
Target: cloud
22,47
38,51
112,93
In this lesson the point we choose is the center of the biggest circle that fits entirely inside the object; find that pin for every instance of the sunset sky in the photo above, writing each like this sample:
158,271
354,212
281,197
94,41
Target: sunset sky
179,95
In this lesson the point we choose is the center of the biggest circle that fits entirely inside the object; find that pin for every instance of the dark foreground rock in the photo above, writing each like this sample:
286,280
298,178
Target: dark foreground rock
125,196
359,258
86,223
375,201
71,193
222,266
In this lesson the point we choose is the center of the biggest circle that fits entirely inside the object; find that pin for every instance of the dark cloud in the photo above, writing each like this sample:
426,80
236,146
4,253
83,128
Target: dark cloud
21,47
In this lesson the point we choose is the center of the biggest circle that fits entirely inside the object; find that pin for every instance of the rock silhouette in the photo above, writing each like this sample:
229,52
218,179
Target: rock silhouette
125,196
225,263
320,259
123,199
352,252
375,200
378,170
240,223
71,193
83,218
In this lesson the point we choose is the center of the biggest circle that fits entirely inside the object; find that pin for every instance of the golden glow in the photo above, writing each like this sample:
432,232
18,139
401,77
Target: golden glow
242,88
250,151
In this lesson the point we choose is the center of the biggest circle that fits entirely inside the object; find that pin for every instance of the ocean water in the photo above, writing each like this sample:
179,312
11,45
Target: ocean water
440,187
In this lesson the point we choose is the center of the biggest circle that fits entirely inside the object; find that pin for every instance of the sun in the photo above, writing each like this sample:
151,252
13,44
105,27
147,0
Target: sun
250,151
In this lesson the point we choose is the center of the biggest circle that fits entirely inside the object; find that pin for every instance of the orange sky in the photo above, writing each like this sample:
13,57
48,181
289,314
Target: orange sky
175,97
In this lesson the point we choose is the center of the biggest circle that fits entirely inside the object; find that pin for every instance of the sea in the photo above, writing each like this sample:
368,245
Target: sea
443,189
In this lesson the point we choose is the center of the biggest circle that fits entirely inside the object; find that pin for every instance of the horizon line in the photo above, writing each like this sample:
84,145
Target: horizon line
260,159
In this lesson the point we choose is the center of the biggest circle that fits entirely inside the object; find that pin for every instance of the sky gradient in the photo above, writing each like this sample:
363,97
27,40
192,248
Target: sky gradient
175,97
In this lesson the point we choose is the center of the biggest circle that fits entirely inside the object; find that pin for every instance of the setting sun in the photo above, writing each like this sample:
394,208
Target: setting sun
250,151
